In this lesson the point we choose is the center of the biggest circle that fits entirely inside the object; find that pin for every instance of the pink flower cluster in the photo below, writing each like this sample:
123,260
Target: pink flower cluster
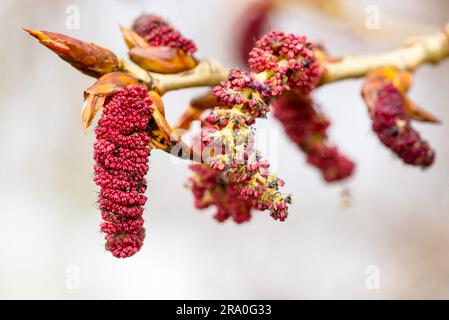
290,58
210,189
307,127
242,166
243,88
283,62
158,32
392,125
121,163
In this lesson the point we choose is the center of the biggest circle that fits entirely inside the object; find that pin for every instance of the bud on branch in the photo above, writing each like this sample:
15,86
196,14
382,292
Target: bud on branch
88,58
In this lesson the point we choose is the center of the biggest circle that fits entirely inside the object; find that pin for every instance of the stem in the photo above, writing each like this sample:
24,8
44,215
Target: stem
206,73
416,52
136,71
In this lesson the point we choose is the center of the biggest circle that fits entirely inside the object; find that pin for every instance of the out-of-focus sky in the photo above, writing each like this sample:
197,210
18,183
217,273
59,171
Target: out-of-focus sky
50,243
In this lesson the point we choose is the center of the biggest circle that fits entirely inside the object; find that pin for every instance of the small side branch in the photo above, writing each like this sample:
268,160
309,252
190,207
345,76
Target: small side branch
429,49
207,73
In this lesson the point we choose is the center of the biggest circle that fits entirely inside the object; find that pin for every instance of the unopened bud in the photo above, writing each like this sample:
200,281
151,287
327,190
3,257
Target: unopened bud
162,59
88,58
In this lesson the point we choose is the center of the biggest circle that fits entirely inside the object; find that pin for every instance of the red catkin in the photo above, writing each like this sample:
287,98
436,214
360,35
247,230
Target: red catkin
121,163
290,58
307,127
288,61
235,91
210,189
158,32
392,125
244,170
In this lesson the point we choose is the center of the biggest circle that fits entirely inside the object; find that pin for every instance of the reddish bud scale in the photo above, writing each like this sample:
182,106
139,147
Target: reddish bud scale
392,125
121,155
88,58
282,62
209,189
157,32
290,58
307,127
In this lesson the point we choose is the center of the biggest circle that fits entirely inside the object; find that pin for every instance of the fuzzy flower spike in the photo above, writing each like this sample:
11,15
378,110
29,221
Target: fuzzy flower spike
288,60
121,163
156,47
210,189
158,33
307,126
392,126
391,111
228,148
280,62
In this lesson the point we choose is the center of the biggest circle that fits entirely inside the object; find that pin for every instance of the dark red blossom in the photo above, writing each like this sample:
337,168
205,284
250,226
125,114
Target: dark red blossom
121,163
242,88
290,58
281,62
392,125
307,127
210,189
158,32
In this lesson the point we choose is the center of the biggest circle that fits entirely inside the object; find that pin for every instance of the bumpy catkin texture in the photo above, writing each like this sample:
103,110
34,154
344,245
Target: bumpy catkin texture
121,163
392,125
307,127
210,190
158,32
290,58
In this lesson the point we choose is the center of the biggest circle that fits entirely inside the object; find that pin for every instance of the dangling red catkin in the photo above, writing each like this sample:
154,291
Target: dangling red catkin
392,125
307,127
121,163
210,190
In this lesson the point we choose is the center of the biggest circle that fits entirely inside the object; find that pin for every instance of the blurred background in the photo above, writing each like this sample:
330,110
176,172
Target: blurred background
396,229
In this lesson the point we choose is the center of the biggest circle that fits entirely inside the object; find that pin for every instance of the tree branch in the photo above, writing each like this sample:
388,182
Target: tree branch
206,74
416,52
